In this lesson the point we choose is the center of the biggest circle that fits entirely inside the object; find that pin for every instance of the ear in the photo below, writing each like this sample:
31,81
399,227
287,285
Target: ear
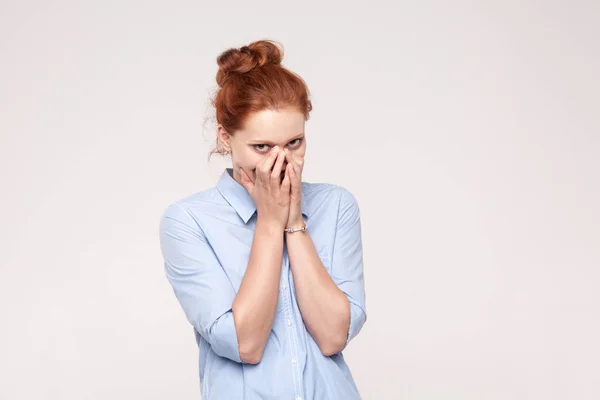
224,138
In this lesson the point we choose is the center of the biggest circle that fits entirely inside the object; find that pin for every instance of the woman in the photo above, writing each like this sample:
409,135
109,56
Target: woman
268,269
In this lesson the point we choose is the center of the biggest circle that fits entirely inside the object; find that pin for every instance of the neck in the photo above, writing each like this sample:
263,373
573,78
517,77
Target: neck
236,176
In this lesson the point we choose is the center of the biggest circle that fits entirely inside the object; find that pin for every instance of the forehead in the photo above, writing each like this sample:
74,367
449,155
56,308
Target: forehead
273,125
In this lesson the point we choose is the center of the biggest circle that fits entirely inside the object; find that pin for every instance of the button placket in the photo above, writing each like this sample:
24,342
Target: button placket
293,332
290,331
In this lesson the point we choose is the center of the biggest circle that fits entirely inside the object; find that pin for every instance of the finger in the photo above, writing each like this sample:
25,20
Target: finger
276,173
266,165
246,182
291,157
288,155
300,161
294,161
294,180
285,185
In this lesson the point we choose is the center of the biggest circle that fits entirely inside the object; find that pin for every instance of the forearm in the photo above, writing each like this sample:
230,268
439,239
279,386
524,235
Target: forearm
255,304
324,307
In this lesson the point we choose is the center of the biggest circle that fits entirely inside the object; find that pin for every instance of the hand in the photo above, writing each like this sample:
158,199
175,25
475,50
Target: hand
270,194
294,170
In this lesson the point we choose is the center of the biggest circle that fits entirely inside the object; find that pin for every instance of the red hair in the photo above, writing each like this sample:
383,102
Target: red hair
253,79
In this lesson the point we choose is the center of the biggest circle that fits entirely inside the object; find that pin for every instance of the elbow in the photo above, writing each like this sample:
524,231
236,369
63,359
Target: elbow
333,346
251,349
250,346
336,341
251,356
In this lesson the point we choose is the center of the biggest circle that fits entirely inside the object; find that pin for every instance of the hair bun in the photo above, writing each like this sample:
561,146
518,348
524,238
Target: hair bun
240,61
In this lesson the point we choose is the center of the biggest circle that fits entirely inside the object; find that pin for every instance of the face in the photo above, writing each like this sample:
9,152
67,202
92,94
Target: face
262,131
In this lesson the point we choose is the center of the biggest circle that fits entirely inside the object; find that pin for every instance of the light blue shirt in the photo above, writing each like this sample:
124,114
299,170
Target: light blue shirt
205,242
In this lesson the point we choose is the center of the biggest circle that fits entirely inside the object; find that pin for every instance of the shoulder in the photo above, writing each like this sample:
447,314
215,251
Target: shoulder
186,209
329,193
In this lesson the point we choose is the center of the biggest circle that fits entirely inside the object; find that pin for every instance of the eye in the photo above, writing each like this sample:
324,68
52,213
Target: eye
264,149
297,142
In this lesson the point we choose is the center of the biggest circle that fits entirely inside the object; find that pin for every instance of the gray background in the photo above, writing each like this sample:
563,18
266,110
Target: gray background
468,131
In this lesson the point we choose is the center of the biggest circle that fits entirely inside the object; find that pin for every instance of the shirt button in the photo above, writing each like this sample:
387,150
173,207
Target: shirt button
298,397
294,361
290,323
284,286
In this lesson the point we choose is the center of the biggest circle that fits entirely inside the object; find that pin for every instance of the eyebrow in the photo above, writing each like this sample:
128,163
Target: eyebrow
271,143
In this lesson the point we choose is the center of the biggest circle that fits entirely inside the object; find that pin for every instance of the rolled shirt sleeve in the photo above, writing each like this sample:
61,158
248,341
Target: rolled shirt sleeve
347,261
198,280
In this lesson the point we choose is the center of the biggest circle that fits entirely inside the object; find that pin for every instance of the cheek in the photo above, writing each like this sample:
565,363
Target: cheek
299,156
300,152
249,165
245,159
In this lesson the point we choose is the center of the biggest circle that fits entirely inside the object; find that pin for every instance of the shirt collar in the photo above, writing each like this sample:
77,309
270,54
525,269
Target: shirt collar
239,198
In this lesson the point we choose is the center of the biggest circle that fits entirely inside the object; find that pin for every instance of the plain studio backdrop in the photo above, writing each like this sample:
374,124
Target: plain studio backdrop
468,131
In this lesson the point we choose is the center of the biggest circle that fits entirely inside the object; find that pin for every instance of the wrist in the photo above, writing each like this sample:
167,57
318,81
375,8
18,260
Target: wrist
270,225
298,223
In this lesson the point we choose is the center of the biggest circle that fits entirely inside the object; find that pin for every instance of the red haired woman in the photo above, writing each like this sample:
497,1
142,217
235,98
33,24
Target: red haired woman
267,268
